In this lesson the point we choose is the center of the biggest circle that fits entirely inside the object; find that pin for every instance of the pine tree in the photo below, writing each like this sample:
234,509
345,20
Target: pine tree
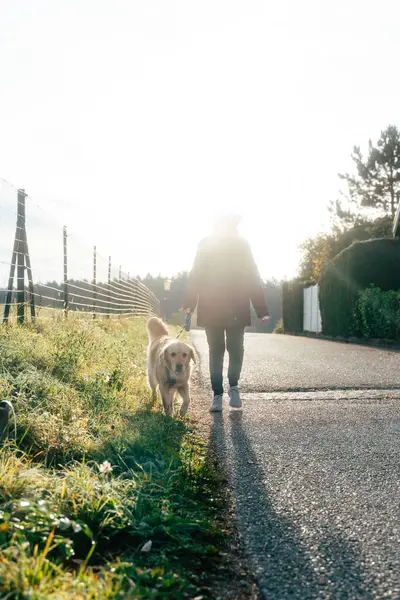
376,184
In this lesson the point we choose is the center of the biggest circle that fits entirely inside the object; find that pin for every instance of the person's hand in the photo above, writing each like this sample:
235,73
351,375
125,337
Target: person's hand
264,320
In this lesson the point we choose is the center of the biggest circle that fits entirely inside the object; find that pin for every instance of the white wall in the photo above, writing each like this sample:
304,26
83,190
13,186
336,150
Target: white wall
312,313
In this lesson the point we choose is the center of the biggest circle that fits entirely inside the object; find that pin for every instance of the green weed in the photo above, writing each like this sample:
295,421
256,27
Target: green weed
101,495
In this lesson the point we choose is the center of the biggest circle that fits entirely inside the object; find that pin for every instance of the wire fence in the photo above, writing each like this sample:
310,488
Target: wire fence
43,267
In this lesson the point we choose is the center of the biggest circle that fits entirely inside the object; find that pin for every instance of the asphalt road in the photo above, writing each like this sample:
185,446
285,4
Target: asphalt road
315,475
279,362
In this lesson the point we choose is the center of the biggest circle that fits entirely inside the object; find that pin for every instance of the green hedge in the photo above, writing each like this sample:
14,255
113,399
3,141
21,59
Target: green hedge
378,314
292,306
374,262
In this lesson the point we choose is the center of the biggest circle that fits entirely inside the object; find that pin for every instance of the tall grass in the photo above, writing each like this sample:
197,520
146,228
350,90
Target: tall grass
101,495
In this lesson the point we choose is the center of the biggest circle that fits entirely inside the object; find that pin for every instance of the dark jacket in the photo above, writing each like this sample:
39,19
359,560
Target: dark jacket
223,281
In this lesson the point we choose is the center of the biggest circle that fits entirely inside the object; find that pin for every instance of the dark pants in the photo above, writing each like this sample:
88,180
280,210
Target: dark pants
234,345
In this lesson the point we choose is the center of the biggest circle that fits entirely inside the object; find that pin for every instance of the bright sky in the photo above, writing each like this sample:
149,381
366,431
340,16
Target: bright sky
135,121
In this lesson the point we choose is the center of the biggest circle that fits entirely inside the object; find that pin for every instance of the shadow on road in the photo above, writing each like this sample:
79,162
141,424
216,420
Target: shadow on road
286,566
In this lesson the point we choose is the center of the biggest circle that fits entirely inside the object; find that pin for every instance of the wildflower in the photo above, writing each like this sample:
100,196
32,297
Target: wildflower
105,467
64,523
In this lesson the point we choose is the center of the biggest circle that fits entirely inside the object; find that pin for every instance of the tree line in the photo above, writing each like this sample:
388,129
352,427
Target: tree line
366,208
50,295
172,300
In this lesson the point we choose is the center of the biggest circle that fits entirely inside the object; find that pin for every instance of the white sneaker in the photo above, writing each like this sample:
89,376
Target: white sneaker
235,401
216,404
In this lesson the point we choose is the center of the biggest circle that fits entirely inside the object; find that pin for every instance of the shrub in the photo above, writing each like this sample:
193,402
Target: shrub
292,306
378,313
279,328
374,262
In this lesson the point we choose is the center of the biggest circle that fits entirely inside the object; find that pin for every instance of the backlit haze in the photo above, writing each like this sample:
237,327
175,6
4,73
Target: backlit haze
135,122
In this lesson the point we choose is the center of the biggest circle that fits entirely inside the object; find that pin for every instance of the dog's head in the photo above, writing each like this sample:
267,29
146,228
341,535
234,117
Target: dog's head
178,355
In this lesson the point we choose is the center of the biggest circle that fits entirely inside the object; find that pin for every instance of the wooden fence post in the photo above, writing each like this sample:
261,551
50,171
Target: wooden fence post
20,259
94,281
65,255
109,285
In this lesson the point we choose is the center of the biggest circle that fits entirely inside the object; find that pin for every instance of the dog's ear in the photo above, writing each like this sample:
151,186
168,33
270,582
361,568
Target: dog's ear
192,354
165,356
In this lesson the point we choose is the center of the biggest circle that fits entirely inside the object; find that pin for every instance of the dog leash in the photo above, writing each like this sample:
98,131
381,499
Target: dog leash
187,325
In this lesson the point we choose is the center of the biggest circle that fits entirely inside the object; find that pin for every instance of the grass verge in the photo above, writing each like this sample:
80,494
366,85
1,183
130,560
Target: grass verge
101,496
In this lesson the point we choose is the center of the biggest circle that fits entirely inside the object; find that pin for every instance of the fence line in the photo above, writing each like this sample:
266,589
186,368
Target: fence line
113,296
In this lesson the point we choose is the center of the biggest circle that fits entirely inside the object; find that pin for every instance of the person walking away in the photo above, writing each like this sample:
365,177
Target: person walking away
223,281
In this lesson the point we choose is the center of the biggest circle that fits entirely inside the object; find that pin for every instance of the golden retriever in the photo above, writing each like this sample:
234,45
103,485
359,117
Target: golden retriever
168,366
